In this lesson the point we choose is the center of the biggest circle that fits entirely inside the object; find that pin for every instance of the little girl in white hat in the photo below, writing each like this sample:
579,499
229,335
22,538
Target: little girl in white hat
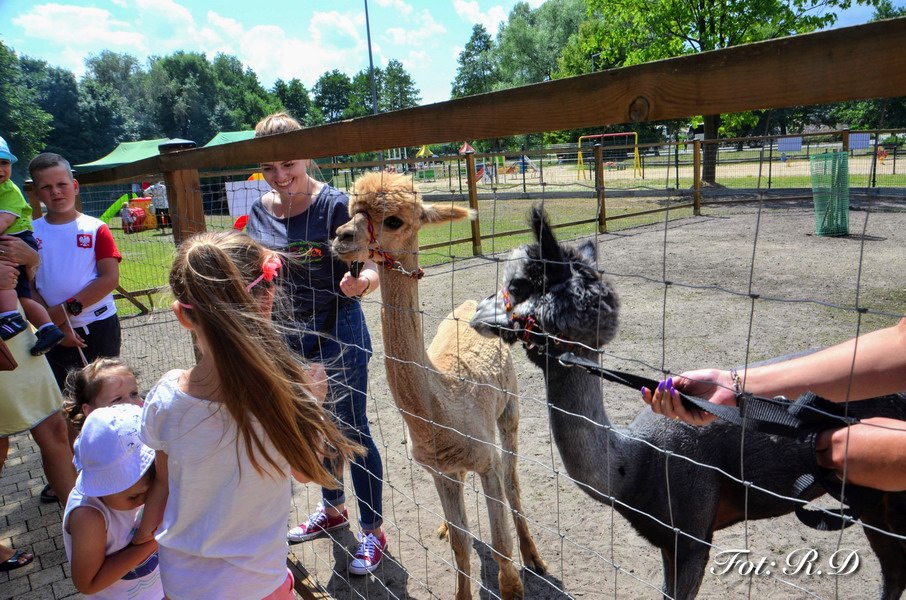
105,508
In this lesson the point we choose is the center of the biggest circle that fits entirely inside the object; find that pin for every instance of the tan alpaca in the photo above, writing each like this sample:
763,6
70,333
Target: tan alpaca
464,383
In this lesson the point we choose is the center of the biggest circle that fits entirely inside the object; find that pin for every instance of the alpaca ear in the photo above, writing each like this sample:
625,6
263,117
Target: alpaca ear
556,265
441,213
588,253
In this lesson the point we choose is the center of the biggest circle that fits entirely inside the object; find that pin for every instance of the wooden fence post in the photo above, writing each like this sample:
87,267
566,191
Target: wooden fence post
183,196
697,177
599,187
844,139
472,178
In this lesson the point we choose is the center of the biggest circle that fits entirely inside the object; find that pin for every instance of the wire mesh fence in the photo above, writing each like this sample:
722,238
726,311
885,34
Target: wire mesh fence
736,284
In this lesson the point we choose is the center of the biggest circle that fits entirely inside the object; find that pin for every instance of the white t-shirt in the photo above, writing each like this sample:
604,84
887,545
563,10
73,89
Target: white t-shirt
224,530
121,525
158,193
69,261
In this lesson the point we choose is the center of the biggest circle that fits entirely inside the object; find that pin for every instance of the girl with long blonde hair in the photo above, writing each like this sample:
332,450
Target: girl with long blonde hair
231,431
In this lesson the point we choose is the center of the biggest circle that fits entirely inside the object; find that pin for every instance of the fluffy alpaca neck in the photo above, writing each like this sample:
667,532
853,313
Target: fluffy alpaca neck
590,449
404,345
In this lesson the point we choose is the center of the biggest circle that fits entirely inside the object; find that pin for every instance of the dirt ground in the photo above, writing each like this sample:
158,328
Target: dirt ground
704,318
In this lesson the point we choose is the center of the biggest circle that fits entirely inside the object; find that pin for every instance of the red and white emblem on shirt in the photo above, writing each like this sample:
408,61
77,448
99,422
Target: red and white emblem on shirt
83,240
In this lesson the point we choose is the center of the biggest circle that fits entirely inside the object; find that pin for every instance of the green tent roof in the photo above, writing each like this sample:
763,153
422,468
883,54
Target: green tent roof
127,152
228,137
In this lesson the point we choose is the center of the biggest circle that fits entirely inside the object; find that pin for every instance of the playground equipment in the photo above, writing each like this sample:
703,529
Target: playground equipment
636,161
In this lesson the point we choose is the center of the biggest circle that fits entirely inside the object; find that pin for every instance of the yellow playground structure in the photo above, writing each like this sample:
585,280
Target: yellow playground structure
636,161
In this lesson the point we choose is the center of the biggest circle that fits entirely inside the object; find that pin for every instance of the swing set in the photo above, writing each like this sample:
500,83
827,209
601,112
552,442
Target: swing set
636,161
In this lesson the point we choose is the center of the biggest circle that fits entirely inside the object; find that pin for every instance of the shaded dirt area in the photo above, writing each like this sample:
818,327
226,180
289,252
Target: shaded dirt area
705,317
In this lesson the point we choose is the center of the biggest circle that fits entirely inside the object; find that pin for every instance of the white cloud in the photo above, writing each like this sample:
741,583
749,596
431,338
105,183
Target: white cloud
425,30
399,5
471,12
95,27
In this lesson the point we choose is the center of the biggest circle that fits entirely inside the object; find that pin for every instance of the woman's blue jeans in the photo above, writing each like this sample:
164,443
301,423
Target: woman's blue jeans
344,347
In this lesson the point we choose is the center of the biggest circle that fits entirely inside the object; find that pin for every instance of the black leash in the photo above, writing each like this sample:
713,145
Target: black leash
803,419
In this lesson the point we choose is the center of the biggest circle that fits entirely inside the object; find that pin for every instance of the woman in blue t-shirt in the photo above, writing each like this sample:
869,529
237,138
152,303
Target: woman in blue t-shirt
300,216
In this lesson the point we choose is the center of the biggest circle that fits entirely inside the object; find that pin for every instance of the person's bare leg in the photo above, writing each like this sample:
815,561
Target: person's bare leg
56,454
4,450
6,553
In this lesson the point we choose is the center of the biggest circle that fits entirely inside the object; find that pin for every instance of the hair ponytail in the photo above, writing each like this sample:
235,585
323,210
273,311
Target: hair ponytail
260,378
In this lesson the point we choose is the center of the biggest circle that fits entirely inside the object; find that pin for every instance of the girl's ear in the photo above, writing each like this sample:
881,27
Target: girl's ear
181,316
87,409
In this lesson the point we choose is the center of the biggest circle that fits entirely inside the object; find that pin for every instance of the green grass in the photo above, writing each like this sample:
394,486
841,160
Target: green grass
148,255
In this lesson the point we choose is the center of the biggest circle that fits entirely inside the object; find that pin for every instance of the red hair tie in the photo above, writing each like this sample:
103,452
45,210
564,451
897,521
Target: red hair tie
269,270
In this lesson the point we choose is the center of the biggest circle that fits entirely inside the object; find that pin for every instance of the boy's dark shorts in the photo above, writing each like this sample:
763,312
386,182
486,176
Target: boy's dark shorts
23,287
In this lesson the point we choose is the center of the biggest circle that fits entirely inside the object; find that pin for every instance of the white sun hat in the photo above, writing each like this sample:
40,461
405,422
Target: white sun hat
108,453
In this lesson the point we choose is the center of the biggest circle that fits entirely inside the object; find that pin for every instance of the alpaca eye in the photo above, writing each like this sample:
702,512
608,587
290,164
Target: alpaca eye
518,287
393,223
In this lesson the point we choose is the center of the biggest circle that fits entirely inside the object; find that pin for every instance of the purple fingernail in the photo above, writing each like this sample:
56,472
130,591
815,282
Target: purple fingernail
660,386
644,390
670,383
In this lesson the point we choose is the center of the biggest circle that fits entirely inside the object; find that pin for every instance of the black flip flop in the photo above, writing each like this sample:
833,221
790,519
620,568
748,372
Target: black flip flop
13,562
48,495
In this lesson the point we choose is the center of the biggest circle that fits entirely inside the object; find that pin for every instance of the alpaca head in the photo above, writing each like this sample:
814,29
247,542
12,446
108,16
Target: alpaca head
550,292
386,213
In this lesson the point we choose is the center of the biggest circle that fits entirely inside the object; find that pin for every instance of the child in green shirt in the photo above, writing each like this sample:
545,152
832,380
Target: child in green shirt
15,219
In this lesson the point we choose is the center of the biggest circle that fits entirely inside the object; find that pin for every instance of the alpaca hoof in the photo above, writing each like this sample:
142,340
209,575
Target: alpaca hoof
442,531
535,564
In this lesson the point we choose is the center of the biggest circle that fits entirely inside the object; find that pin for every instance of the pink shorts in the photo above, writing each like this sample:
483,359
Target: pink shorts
285,591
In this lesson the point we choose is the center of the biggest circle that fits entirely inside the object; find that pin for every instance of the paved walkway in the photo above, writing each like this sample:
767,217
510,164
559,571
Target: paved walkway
28,524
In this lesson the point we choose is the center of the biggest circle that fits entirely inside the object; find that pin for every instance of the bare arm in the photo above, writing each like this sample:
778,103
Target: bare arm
871,453
107,280
155,501
92,569
879,368
6,220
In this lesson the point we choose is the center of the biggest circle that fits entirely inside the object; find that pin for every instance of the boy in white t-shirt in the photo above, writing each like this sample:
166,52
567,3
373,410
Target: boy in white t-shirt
79,270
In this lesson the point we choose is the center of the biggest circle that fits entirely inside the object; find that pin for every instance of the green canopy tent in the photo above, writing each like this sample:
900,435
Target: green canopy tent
228,137
125,153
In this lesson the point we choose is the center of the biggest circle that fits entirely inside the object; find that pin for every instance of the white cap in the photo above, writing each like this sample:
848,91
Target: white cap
109,453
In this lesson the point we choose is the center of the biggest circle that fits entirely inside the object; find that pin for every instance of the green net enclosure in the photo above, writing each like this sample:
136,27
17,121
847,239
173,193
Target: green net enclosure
830,189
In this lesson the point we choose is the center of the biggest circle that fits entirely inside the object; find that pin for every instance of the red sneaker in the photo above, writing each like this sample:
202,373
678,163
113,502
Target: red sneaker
368,555
318,524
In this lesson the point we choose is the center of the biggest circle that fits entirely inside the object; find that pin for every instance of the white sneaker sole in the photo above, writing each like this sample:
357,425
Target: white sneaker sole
299,538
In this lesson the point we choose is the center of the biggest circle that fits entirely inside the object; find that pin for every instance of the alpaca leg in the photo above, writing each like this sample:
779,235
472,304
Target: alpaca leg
683,573
454,505
501,540
508,424
891,552
443,529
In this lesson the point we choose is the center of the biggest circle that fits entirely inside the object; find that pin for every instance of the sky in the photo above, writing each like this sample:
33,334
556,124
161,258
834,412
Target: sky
280,39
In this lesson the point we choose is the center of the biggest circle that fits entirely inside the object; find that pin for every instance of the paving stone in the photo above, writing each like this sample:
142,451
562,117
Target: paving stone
21,516
29,538
65,589
16,588
51,520
46,576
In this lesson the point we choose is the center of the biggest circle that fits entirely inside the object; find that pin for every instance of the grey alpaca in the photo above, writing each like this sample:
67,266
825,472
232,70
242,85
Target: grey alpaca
561,289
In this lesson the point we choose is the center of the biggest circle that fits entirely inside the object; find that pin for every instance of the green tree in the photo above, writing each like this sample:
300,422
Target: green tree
332,94
640,31
293,97
22,122
531,42
241,100
476,73
399,89
184,96
124,83
360,103
57,94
